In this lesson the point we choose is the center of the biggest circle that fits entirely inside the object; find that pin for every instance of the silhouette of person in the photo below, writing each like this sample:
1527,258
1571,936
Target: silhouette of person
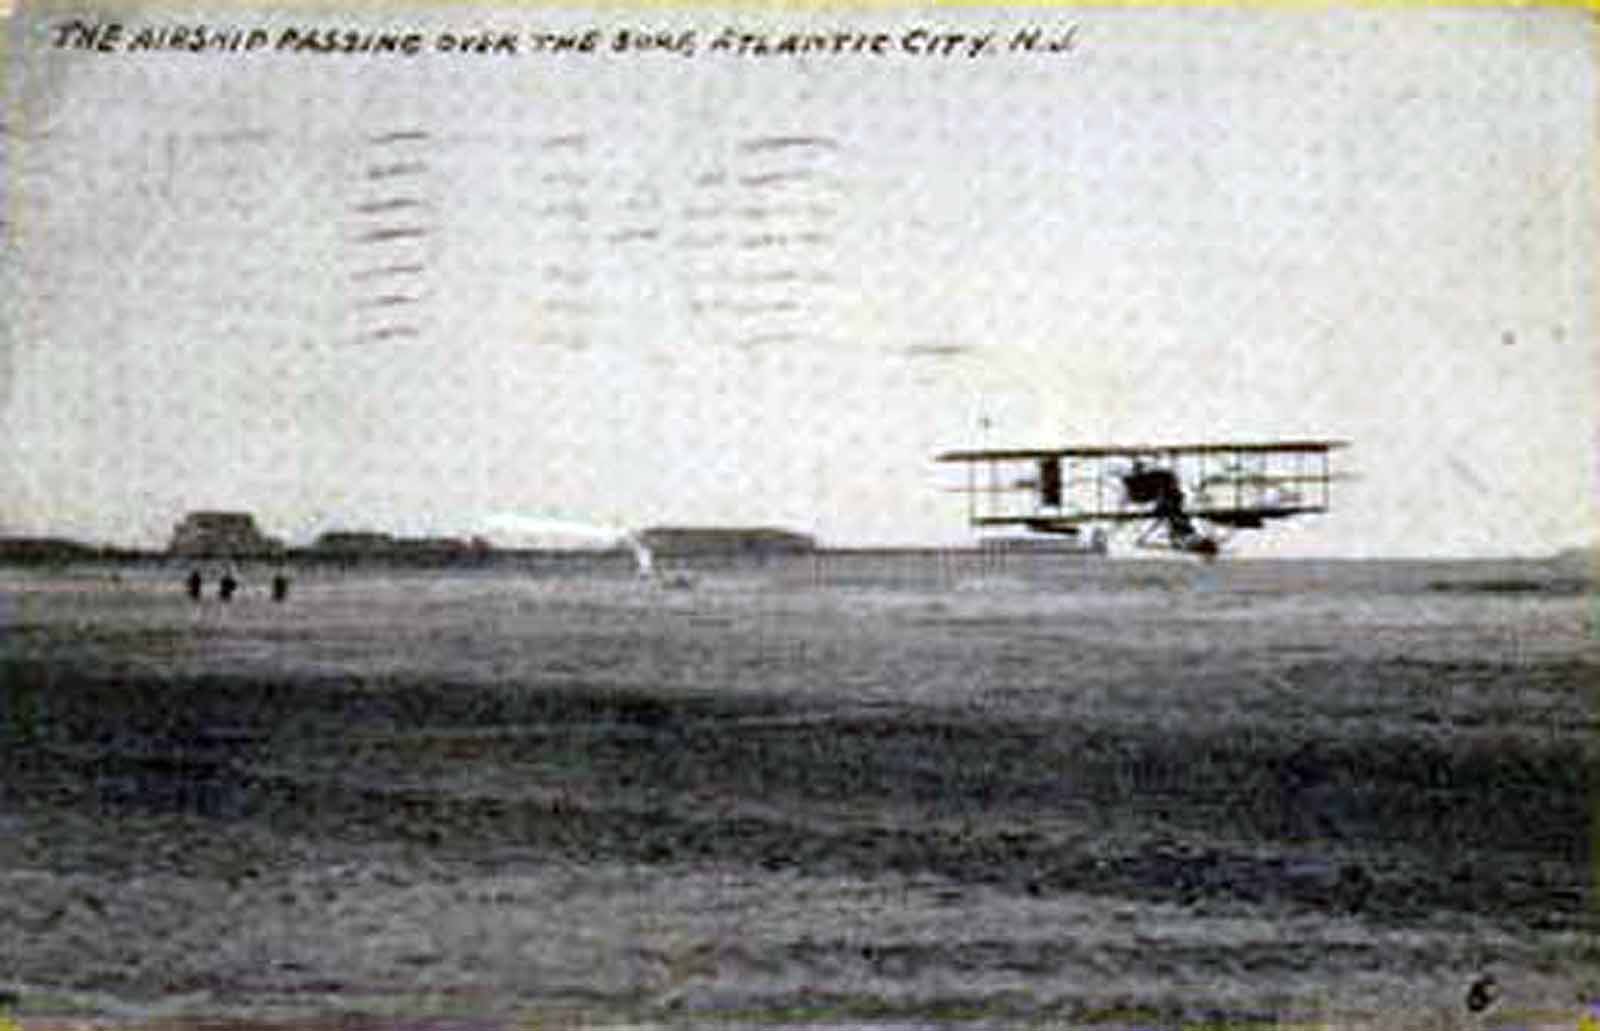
227,586
194,584
280,587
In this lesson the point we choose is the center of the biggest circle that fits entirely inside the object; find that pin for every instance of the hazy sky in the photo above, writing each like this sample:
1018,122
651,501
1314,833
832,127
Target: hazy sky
415,293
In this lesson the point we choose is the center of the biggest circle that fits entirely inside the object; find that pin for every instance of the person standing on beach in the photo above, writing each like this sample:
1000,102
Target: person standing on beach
194,584
227,586
280,586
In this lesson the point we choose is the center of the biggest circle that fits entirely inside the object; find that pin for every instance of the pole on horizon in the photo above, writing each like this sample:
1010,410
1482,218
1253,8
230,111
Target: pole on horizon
985,424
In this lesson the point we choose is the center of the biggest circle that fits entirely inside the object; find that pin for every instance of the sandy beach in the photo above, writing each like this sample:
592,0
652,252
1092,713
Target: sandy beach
890,790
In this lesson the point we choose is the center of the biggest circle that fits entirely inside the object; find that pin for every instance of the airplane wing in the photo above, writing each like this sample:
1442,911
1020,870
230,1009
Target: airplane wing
1062,523
1143,450
1244,517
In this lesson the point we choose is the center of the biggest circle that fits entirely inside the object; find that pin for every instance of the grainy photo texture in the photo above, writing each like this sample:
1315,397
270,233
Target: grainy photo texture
751,517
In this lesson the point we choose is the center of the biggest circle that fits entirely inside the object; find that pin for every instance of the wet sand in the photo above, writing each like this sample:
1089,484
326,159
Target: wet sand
856,791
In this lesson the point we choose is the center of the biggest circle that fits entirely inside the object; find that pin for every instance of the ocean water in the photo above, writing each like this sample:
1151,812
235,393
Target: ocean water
898,790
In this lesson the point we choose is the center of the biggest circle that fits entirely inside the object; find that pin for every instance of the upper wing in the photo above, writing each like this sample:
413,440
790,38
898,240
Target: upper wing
1152,451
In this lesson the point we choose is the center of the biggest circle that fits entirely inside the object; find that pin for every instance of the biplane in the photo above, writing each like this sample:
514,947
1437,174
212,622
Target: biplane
1185,497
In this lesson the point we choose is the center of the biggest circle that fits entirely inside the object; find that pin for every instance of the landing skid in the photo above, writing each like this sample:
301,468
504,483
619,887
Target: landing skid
1182,537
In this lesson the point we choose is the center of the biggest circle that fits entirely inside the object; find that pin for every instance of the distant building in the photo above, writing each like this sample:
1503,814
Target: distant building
730,541
449,548
353,542
355,545
221,534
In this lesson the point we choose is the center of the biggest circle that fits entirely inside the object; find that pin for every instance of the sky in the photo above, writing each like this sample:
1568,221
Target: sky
442,292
